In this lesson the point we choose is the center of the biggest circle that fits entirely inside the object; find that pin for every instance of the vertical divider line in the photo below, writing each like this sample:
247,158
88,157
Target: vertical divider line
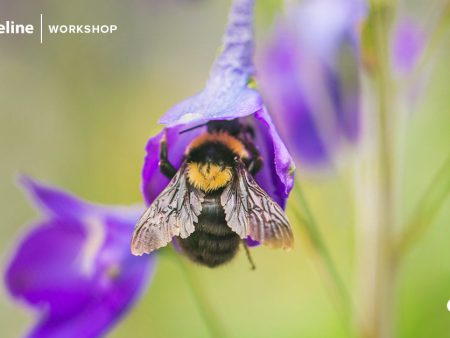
41,29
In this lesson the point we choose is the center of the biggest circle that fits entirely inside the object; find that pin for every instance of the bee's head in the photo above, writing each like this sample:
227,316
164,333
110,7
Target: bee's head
211,159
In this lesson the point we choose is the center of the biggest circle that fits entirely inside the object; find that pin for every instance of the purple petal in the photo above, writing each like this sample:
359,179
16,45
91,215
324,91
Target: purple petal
98,315
285,96
214,103
109,300
309,74
226,95
344,89
322,24
276,176
153,181
252,243
236,58
53,200
407,45
45,271
78,270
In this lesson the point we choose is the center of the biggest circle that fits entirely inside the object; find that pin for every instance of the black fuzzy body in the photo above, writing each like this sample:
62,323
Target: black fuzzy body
213,243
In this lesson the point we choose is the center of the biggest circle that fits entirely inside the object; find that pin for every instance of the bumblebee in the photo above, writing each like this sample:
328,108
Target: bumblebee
212,203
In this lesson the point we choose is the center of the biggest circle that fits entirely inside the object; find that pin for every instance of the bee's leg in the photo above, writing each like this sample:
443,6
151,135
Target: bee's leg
256,162
255,165
249,257
166,168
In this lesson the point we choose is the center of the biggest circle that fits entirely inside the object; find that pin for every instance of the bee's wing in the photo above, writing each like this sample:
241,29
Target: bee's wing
172,213
249,211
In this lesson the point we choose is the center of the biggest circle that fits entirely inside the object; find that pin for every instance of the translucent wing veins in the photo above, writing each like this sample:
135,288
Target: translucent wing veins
172,213
249,211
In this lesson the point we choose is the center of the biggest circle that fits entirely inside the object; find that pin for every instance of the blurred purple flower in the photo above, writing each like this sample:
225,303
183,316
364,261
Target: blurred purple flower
407,45
309,74
75,266
226,96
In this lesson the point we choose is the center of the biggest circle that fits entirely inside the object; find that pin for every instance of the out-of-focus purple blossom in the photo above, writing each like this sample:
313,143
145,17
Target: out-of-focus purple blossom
75,265
309,75
406,45
226,96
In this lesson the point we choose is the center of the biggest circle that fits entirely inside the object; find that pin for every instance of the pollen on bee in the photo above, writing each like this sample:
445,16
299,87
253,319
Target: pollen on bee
208,177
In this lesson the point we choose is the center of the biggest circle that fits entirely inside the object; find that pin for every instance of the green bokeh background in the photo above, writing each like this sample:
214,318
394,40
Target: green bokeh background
76,112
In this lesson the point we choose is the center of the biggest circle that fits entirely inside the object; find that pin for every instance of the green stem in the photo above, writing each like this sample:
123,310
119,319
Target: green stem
427,209
202,302
340,292
434,42
377,185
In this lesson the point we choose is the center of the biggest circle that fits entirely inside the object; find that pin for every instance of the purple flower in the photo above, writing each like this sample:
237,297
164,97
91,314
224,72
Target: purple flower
226,96
407,45
75,265
309,74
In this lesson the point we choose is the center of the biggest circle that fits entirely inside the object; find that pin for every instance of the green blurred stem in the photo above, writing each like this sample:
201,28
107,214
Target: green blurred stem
427,209
434,42
202,302
340,292
377,185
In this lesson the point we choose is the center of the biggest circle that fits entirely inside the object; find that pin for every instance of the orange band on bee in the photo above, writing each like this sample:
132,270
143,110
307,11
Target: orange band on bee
222,137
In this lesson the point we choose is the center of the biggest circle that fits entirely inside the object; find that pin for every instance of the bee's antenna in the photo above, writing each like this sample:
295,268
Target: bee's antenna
192,128
249,257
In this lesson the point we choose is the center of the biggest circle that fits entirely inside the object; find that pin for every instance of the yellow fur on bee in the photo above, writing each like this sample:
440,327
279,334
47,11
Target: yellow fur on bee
231,142
208,177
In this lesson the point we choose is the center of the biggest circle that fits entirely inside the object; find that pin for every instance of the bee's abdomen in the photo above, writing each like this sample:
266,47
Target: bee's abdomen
213,243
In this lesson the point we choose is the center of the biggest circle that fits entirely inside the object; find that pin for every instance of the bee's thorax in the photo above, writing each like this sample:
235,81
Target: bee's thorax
211,158
223,138
208,176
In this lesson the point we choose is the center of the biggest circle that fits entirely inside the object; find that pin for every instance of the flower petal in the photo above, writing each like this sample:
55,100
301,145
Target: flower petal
44,270
328,23
53,200
78,269
309,74
343,86
153,181
251,242
407,45
285,96
105,308
214,103
277,175
226,95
